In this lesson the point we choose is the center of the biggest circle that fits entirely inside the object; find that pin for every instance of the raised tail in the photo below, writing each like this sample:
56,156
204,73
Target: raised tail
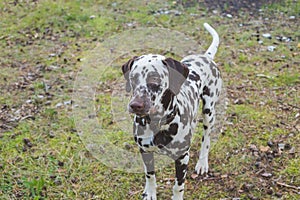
213,48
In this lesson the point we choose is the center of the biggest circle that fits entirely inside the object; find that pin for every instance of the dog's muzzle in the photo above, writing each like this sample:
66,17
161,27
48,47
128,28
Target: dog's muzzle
139,106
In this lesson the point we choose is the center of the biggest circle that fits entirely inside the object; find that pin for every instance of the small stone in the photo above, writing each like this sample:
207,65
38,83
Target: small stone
292,17
129,24
59,105
257,164
271,48
279,195
267,35
266,175
68,102
215,11
239,101
47,103
177,13
229,16
92,17
224,176
270,144
292,150
52,55
51,134
253,147
281,146
127,145
269,191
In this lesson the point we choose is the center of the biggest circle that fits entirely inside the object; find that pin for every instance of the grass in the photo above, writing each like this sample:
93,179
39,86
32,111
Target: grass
45,44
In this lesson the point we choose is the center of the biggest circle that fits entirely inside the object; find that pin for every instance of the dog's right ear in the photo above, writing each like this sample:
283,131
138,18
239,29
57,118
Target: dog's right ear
126,69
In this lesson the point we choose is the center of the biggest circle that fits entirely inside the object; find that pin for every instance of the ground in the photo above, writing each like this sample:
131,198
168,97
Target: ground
255,154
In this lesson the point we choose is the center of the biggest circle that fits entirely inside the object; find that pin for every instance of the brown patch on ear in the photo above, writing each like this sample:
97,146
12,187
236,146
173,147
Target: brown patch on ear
178,73
126,69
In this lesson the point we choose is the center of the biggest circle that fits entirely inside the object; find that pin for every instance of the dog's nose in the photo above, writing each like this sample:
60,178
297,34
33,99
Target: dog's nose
137,106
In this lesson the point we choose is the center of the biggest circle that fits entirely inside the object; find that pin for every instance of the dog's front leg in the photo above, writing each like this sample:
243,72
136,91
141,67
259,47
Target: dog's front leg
181,169
150,187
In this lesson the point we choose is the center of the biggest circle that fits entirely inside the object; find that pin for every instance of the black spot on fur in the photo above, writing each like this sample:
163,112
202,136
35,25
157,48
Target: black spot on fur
173,129
164,137
193,76
206,111
180,169
167,98
206,91
140,141
205,60
151,172
213,70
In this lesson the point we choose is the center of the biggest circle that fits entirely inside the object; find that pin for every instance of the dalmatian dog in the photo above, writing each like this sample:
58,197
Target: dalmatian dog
165,99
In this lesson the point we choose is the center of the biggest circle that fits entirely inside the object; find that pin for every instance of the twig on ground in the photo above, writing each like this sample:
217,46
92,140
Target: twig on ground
288,186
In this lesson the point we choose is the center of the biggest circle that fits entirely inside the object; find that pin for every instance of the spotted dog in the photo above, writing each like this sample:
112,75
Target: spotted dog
165,98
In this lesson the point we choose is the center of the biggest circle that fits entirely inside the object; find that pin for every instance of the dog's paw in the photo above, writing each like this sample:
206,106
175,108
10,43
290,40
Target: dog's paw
201,167
148,196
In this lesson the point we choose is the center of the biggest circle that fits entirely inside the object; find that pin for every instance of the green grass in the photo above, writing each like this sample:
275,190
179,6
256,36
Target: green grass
43,154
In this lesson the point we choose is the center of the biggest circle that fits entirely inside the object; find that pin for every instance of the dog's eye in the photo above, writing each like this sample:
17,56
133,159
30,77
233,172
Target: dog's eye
153,86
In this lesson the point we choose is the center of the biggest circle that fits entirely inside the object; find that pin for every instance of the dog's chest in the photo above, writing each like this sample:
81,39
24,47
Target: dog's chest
169,139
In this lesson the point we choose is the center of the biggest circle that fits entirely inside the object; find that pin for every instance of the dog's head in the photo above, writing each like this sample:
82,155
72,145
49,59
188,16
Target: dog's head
153,80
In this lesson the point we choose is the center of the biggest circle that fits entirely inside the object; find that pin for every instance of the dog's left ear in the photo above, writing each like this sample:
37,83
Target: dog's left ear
126,69
178,73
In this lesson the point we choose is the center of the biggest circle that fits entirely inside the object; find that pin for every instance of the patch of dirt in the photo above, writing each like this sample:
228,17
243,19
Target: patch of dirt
231,6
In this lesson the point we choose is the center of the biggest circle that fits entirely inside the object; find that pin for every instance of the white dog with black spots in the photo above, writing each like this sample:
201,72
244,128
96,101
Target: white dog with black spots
165,99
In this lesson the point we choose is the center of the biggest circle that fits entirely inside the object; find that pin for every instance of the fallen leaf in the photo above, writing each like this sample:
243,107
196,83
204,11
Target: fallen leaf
194,176
264,148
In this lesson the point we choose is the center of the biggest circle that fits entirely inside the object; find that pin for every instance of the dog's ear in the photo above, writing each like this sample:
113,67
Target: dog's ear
178,73
126,69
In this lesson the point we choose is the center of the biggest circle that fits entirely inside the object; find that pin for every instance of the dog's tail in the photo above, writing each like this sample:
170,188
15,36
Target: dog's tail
213,48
